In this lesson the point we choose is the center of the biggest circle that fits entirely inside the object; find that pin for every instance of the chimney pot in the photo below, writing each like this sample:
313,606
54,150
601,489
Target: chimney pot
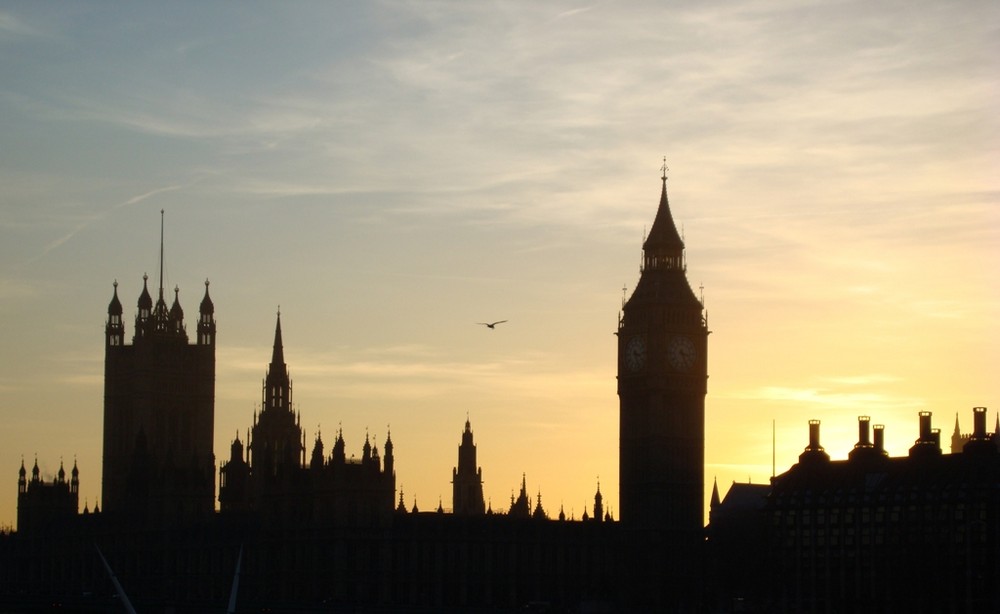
863,441
979,422
814,435
879,438
925,427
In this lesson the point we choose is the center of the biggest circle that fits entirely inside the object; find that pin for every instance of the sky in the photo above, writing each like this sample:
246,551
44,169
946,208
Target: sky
390,173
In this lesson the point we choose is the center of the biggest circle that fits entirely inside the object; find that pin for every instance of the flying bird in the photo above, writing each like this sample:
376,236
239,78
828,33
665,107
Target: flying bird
491,324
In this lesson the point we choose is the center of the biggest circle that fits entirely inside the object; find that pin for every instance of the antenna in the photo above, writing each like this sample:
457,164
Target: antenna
161,253
772,449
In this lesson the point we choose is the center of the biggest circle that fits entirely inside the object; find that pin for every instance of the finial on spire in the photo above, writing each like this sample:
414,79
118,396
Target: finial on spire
664,169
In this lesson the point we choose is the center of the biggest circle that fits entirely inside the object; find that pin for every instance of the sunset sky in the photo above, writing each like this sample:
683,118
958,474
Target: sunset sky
388,174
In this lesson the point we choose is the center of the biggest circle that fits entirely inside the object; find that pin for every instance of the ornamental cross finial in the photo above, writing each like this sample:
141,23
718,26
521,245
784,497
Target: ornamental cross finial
664,168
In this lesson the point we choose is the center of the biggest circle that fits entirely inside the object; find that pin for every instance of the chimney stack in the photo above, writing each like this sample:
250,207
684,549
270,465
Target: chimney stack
814,451
863,441
925,427
929,441
814,436
979,423
880,439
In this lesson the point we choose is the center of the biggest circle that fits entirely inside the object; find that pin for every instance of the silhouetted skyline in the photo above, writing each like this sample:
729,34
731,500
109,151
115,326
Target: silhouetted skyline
390,174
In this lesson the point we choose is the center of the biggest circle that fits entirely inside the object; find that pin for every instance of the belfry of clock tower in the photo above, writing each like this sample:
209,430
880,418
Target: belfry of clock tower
662,379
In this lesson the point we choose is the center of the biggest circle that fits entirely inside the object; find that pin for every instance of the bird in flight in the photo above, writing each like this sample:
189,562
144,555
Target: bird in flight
491,324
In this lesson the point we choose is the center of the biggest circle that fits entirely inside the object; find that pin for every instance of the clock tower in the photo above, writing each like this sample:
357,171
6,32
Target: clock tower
662,381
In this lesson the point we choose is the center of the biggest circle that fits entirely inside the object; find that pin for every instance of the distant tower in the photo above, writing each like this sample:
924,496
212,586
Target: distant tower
599,504
234,479
276,446
467,478
42,506
662,382
159,410
520,507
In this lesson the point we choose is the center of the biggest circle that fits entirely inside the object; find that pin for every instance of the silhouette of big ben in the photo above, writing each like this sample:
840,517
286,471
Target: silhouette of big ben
662,382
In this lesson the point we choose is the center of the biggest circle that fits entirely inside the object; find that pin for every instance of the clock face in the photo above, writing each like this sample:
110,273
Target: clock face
635,354
681,353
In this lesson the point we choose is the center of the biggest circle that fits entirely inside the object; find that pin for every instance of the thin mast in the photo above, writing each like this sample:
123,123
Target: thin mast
772,448
161,253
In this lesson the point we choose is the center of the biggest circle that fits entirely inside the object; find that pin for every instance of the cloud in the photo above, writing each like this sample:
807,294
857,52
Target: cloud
12,28
813,399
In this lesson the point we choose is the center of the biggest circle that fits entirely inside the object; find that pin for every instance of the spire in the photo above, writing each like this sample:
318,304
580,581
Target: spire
114,330
401,508
539,512
115,306
278,354
145,300
316,462
598,503
277,385
663,248
715,494
206,307
176,312
206,319
387,461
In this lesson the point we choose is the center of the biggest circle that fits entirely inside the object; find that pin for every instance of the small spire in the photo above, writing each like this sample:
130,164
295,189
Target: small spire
145,300
278,353
206,307
115,306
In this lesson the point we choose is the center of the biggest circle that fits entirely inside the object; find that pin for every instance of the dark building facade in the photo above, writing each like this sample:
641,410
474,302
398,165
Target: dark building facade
42,504
296,532
959,439
274,480
323,531
662,382
872,533
159,411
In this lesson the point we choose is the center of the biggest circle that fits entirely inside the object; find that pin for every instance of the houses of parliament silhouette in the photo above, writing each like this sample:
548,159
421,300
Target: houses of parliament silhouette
301,529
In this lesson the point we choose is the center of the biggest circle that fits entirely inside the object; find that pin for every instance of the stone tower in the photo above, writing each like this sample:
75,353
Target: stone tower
467,478
662,379
159,410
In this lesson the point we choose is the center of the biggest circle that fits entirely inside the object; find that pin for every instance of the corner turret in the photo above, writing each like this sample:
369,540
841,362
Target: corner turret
114,329
206,320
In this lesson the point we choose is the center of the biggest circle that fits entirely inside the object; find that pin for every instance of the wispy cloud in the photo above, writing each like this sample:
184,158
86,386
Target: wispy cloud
97,216
12,28
830,399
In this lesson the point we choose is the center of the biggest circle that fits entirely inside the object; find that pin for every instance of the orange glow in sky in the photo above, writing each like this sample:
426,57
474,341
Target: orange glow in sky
392,173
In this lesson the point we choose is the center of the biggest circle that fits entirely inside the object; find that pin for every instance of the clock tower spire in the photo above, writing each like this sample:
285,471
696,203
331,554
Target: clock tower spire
662,382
